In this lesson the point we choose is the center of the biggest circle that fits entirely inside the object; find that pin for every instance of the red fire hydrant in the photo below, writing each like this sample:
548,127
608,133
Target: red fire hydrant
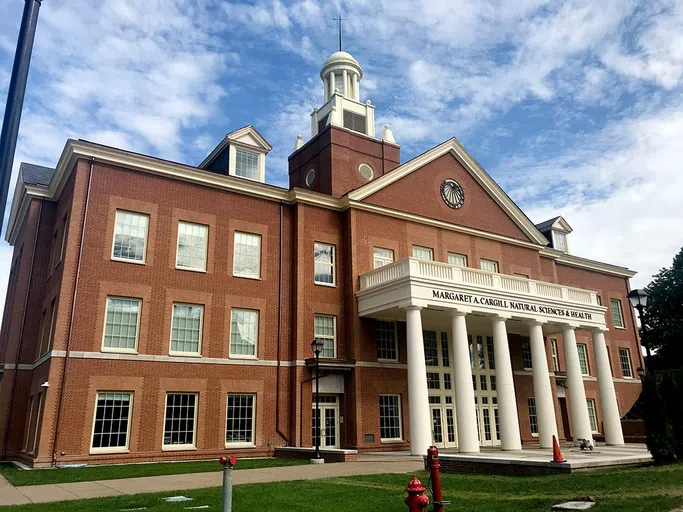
434,467
416,500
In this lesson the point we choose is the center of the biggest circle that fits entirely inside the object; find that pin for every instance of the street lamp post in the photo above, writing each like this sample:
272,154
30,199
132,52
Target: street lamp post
317,347
638,299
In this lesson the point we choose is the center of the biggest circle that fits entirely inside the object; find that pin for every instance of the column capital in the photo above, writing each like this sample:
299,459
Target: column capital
535,322
501,316
412,308
603,329
456,312
569,325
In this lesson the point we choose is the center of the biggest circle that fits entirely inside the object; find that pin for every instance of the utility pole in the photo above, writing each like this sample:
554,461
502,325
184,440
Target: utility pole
15,97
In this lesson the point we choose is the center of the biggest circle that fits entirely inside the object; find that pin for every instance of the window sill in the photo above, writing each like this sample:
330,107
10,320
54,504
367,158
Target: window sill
328,285
534,435
627,378
239,445
185,354
622,328
253,278
110,350
240,356
124,260
189,269
178,448
391,441
108,451
387,360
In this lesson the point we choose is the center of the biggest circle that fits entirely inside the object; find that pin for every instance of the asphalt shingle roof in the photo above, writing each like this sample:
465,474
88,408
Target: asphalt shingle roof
32,174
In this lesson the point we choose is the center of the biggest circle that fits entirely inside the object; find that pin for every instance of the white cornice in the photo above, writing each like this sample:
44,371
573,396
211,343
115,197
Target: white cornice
454,147
574,261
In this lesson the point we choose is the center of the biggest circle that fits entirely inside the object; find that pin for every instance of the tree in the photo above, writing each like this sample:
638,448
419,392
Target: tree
664,316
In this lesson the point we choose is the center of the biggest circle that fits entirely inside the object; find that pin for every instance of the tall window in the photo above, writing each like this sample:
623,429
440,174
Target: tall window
121,324
447,384
533,418
247,255
48,328
583,358
431,352
324,263
246,164
433,380
35,412
186,328
386,341
192,244
112,421
491,351
526,353
615,305
423,253
459,260
560,241
390,417
488,265
592,416
553,350
241,411
180,422
130,236
382,256
243,332
445,354
325,330
625,360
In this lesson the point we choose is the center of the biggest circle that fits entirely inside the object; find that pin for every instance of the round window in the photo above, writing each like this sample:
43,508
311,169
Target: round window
310,177
452,193
366,172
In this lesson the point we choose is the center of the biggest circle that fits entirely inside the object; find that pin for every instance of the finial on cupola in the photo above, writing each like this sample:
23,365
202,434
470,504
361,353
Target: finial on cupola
387,135
299,142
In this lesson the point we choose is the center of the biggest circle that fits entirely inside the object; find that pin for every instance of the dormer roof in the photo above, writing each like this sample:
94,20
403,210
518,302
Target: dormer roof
555,224
245,136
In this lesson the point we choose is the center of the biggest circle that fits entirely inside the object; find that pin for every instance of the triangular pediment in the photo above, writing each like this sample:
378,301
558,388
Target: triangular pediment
415,188
248,136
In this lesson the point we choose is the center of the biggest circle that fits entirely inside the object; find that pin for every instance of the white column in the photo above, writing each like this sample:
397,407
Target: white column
465,412
326,87
611,420
510,438
418,400
578,409
545,408
356,91
345,84
330,77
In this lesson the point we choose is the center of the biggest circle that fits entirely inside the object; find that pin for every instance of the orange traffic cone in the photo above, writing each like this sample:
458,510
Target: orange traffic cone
557,454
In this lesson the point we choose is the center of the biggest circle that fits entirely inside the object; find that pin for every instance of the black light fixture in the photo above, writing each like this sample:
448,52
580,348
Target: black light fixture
317,347
638,299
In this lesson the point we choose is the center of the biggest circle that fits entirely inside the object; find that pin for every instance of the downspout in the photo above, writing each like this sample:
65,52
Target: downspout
71,318
279,340
382,158
21,333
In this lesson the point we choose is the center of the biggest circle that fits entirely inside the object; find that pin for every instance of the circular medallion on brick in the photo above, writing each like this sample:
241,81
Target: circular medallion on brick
452,193
366,172
310,177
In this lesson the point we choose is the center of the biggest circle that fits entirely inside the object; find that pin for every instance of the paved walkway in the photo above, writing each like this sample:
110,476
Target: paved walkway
366,465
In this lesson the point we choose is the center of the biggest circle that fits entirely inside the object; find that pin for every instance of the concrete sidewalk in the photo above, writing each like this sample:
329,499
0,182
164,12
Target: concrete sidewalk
10,495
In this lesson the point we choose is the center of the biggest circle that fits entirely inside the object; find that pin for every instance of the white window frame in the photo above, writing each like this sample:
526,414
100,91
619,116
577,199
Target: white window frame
400,422
325,336
452,256
594,409
422,248
256,337
560,235
241,444
612,303
332,265
494,264
384,259
535,415
384,359
235,273
526,341
117,449
206,247
628,361
113,239
178,447
553,352
232,164
172,352
137,328
581,347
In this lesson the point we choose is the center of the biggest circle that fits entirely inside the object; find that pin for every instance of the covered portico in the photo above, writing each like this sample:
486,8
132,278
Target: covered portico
413,290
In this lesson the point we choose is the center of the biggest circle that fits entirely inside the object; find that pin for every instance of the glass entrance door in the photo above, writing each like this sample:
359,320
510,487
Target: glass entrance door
437,426
329,429
443,426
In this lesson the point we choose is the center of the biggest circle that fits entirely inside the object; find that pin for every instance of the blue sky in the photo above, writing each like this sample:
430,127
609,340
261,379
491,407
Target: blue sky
575,108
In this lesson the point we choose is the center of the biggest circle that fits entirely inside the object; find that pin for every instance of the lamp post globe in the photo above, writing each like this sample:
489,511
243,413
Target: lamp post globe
317,347
638,299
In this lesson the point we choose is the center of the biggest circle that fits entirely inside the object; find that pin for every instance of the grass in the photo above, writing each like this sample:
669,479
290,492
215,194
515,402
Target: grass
636,489
19,477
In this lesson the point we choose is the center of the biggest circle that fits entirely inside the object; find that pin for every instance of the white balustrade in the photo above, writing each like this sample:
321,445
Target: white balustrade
515,285
476,277
579,295
549,290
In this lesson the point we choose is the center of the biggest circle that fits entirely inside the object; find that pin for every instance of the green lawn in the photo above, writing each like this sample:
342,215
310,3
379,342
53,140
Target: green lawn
18,477
633,489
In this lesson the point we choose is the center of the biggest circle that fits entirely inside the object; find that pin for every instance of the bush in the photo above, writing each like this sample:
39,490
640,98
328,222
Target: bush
662,415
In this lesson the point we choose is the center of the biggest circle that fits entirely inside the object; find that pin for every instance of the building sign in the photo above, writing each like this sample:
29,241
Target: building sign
511,305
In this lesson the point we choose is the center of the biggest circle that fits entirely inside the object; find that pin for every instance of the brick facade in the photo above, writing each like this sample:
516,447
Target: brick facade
285,296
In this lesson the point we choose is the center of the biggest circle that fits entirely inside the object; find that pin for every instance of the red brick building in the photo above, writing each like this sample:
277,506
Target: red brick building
157,310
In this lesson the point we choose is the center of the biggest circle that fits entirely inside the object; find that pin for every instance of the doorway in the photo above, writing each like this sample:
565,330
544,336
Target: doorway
443,426
565,418
329,429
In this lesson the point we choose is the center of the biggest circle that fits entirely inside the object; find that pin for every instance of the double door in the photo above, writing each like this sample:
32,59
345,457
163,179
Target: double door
329,429
443,426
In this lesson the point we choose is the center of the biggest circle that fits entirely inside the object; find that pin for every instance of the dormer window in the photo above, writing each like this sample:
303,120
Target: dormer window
246,164
560,241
